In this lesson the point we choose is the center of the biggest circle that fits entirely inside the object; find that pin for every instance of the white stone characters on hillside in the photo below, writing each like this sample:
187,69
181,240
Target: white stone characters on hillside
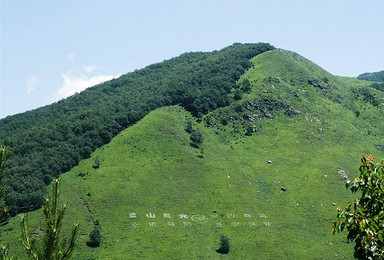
150,215
167,215
183,215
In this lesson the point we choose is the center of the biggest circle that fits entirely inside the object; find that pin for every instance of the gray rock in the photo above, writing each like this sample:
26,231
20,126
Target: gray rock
343,175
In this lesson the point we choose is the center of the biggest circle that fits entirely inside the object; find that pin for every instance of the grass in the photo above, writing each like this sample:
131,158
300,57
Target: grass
227,185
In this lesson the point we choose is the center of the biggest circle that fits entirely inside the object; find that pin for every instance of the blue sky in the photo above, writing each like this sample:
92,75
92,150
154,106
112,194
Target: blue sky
51,49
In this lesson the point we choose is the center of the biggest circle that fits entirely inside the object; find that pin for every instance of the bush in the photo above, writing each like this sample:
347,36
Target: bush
224,245
237,95
95,236
189,127
196,138
96,164
246,86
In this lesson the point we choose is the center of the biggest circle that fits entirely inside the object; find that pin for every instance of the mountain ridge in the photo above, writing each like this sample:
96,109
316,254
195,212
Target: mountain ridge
372,76
50,140
266,173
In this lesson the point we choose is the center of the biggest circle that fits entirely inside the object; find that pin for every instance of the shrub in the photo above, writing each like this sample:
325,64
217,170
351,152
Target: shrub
246,86
95,236
196,138
96,164
189,127
224,245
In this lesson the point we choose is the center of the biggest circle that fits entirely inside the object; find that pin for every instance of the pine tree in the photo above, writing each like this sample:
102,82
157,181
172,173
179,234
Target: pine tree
95,236
54,247
224,245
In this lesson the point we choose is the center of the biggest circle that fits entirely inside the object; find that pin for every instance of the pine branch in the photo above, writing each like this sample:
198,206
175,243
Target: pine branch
5,256
71,245
54,248
25,240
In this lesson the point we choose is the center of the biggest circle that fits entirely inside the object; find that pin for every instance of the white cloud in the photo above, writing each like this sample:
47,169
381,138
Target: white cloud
31,82
89,68
73,84
71,56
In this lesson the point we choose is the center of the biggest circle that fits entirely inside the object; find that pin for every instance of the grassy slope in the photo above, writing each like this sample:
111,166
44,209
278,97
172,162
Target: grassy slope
150,167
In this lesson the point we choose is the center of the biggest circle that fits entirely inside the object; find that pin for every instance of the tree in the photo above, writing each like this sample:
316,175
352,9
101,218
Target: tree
95,235
224,245
189,127
364,217
246,86
96,164
237,95
196,138
54,247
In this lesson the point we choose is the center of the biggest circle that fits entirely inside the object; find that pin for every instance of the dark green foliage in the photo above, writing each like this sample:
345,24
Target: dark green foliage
196,138
3,209
246,86
378,86
364,217
51,140
95,236
374,76
96,164
237,95
224,245
368,95
189,127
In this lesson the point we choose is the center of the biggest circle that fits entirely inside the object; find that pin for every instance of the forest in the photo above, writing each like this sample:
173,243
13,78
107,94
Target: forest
372,76
48,141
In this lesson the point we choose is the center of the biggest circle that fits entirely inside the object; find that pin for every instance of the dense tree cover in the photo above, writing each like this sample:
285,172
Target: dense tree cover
50,140
3,207
378,86
364,217
373,76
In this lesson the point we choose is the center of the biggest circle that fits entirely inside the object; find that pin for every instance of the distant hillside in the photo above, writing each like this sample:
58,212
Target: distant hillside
265,174
373,76
51,140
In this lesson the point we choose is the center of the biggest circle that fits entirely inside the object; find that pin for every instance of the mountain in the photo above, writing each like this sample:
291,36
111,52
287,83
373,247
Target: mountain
50,140
372,76
271,161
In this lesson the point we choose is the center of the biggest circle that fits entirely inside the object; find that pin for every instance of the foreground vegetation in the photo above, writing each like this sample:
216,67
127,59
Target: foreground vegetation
364,217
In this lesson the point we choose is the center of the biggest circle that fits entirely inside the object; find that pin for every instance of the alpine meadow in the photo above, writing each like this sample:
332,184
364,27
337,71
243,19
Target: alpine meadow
240,153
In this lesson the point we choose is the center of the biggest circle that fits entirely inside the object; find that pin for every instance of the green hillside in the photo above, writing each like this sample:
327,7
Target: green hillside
265,175
372,76
51,140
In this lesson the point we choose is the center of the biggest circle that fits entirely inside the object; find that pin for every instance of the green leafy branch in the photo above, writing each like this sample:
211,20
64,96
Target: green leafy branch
364,217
